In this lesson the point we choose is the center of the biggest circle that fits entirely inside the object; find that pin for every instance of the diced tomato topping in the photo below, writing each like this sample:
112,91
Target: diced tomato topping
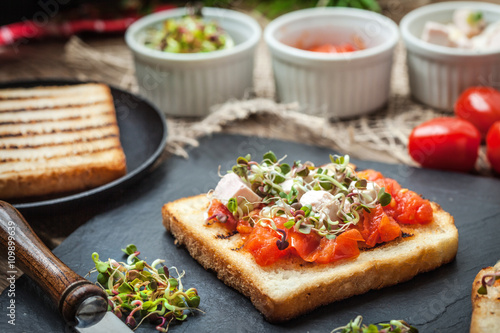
378,227
345,246
330,48
218,207
412,208
244,228
370,174
406,206
304,244
261,243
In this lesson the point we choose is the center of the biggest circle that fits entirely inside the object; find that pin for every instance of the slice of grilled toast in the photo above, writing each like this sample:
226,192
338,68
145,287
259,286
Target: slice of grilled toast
486,308
291,286
58,139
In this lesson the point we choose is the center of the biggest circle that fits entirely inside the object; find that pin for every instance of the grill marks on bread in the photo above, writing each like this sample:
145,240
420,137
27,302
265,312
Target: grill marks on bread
49,129
50,123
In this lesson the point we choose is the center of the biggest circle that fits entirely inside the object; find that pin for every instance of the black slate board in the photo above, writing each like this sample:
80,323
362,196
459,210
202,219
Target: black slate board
437,301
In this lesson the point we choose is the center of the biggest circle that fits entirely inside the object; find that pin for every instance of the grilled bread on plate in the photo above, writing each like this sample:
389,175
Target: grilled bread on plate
295,237
58,139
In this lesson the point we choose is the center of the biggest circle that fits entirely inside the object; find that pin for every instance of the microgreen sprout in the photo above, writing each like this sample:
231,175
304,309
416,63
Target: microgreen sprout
280,186
137,291
282,243
232,205
487,281
356,326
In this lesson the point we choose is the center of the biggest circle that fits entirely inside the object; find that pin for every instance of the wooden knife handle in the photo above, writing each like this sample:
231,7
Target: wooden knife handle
18,241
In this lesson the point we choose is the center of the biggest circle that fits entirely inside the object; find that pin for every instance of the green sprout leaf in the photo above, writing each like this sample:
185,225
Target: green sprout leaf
269,156
102,279
278,179
362,183
305,228
285,168
288,224
326,185
383,197
242,161
474,18
125,288
131,248
371,329
232,205
482,290
240,170
102,267
292,195
307,210
173,282
303,171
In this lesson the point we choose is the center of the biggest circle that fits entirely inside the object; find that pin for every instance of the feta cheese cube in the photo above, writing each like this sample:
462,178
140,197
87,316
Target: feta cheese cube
468,21
489,39
436,33
321,201
231,186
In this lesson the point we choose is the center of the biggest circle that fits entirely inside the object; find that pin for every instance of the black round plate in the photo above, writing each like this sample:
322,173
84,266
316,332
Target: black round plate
143,133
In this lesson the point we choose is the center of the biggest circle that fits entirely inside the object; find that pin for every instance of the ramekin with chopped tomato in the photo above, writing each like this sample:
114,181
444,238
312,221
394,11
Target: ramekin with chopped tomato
336,84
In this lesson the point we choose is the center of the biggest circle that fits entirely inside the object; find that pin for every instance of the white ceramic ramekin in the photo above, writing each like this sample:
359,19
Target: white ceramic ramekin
438,74
187,85
332,85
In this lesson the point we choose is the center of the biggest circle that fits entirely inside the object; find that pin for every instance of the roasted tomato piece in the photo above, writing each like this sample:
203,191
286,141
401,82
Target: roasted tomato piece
244,228
304,244
330,48
392,187
378,227
261,243
412,208
345,246
218,212
370,174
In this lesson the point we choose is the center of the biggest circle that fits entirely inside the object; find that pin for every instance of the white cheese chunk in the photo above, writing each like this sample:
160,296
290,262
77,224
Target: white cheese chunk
231,186
436,33
458,38
321,201
489,39
462,20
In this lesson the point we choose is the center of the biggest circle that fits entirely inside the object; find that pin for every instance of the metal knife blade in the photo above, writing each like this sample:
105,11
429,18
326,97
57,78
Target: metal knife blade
92,317
79,301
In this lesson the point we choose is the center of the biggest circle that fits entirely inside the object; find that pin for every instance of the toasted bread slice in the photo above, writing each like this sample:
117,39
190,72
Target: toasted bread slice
292,287
58,139
485,308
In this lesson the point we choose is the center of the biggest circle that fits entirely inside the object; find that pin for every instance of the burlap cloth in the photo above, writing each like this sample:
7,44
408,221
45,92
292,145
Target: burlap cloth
382,136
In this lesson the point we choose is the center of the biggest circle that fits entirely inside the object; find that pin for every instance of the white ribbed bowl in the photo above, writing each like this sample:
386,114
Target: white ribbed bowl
438,74
187,85
332,85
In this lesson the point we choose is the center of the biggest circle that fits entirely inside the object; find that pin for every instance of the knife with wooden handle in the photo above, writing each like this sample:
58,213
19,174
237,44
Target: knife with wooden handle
82,304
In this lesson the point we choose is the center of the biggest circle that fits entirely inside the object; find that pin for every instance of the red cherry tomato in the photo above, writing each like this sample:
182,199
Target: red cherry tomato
493,146
480,106
445,143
